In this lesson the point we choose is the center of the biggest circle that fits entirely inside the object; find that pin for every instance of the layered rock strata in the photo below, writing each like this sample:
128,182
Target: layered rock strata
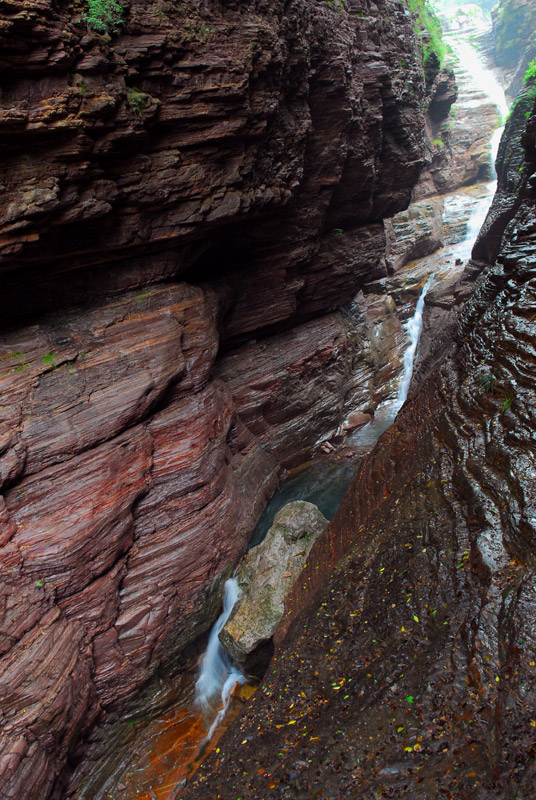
414,675
186,206
458,156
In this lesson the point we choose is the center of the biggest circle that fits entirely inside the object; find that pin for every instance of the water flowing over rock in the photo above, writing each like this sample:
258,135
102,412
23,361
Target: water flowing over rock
265,577
218,675
411,672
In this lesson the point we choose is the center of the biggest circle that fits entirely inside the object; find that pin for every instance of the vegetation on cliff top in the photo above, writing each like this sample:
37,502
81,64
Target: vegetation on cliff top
428,28
514,22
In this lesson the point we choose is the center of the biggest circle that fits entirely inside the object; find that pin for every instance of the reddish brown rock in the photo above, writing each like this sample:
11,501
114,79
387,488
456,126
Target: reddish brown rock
288,390
243,112
255,148
67,538
204,483
47,701
356,420
410,672
69,383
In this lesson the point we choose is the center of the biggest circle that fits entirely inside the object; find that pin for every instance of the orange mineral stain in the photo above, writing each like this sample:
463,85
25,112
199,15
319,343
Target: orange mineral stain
171,747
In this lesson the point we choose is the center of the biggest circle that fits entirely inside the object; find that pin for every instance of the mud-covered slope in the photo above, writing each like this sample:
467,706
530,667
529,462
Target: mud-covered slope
412,672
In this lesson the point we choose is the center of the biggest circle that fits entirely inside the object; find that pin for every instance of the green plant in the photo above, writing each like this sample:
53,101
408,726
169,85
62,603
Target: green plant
525,100
530,72
507,403
527,97
80,85
428,29
104,16
49,360
438,143
204,31
137,99
20,357
340,5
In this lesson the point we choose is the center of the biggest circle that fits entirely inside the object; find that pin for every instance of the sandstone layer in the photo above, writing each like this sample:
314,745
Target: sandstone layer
187,204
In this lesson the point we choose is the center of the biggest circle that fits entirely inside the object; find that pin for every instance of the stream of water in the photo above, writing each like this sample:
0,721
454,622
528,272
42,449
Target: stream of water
367,436
219,675
324,482
172,743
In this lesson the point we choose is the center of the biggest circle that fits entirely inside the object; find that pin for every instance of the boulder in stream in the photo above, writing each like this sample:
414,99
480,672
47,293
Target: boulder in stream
265,577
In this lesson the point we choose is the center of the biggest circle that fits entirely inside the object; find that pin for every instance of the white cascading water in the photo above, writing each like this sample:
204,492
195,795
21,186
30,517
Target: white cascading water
218,674
413,327
472,63
386,413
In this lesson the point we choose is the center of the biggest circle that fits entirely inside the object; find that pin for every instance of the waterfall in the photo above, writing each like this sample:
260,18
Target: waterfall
384,417
470,60
413,327
218,673
485,79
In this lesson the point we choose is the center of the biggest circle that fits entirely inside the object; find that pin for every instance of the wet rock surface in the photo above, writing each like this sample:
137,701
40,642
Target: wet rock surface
458,164
181,202
265,577
410,672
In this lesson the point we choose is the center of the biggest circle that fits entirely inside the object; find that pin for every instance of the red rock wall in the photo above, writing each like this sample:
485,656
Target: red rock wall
411,672
241,198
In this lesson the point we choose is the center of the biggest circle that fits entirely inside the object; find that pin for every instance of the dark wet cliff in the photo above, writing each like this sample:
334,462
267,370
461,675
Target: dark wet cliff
411,672
185,207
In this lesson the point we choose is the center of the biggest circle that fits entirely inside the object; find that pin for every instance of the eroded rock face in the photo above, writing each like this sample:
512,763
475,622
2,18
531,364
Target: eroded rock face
513,24
512,177
246,111
416,668
265,578
214,174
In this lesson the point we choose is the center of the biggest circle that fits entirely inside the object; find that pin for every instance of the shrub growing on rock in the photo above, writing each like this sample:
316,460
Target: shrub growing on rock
104,16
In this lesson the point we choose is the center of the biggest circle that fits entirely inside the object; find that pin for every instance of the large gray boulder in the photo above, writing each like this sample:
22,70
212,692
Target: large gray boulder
265,577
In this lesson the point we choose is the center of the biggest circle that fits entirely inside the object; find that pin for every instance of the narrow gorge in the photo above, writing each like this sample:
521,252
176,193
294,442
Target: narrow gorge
224,223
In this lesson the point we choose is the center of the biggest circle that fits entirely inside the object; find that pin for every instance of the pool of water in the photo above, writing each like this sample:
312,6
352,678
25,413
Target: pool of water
321,482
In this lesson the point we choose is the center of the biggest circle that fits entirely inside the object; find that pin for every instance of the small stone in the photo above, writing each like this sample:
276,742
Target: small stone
356,420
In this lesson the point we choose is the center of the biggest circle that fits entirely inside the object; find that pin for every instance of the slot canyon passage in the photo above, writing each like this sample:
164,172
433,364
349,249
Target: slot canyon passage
237,239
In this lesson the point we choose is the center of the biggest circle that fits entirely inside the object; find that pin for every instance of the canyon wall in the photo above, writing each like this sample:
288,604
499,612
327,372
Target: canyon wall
410,672
187,204
513,29
514,44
